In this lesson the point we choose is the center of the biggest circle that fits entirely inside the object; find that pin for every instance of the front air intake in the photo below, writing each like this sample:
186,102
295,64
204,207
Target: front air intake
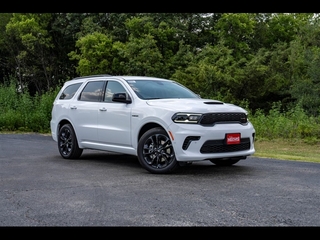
188,140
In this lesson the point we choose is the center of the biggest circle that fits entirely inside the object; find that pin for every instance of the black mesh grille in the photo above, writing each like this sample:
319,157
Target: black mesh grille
219,146
212,118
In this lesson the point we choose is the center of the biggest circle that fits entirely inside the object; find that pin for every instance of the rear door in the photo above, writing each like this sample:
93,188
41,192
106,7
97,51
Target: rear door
84,111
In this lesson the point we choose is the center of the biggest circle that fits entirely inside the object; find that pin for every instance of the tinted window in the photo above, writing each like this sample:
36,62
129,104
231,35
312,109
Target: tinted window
92,91
69,91
113,87
149,89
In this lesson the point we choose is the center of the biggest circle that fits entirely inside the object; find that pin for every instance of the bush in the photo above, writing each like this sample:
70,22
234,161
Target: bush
22,112
293,124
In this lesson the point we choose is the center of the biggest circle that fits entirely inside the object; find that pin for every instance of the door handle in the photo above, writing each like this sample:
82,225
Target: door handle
103,109
73,107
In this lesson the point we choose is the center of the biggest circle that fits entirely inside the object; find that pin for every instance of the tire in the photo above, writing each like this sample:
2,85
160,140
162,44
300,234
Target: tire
68,143
224,162
156,153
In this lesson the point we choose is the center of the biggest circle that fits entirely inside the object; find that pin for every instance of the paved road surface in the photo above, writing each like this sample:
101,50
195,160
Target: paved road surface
39,188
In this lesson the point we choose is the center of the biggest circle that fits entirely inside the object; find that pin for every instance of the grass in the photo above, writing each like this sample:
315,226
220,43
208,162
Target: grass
284,149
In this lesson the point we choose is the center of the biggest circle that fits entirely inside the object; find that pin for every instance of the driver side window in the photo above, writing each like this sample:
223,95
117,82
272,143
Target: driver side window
113,87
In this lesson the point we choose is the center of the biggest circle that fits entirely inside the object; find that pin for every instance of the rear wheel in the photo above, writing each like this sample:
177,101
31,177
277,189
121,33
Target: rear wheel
224,162
67,143
155,152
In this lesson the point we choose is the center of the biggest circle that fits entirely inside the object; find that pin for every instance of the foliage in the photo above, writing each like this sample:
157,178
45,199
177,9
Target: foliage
294,124
237,32
259,58
305,62
19,111
95,55
32,44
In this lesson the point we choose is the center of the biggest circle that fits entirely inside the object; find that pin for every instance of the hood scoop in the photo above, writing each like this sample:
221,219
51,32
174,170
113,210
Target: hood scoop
213,102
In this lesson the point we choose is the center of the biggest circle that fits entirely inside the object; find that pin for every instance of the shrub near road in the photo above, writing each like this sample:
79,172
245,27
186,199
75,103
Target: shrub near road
19,111
293,124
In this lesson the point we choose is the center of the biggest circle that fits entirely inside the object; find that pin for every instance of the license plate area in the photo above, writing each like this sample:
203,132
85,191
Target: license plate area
232,138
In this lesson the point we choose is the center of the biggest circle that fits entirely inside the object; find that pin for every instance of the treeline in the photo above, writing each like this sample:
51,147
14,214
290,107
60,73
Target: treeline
253,58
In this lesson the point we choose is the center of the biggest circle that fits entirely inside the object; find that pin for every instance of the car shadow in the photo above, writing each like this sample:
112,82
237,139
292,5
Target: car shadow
196,168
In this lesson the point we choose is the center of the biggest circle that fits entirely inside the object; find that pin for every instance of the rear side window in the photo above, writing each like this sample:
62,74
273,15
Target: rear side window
92,92
69,91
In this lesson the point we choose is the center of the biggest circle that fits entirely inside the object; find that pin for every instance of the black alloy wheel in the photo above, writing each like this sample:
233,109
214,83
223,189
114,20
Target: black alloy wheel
156,153
67,143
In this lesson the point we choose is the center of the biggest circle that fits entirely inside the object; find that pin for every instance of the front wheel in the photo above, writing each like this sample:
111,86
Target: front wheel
68,143
155,152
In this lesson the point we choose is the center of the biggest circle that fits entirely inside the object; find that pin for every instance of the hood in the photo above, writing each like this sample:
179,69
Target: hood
194,105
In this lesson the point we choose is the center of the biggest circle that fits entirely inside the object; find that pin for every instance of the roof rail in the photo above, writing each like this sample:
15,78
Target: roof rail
89,76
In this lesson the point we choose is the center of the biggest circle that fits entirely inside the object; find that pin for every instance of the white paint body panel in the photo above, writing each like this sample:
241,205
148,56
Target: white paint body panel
115,126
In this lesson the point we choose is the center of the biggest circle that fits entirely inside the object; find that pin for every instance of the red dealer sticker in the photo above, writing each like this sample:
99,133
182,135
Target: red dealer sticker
233,138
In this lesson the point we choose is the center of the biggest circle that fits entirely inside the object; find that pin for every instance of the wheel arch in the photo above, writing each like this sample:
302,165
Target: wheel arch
146,127
61,123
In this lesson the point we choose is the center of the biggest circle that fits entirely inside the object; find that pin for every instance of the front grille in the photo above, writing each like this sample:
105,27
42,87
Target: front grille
219,146
212,118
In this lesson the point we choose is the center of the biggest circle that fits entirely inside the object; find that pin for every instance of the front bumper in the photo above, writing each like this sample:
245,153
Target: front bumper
198,143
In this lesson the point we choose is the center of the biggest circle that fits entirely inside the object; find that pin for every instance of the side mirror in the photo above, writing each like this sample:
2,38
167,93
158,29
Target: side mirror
121,97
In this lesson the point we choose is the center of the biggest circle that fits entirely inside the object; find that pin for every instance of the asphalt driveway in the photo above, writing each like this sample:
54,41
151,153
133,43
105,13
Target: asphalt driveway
39,188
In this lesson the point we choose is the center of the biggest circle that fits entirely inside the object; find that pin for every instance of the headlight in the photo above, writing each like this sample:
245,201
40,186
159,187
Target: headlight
186,118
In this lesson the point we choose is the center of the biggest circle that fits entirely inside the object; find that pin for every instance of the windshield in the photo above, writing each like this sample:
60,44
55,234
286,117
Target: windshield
157,89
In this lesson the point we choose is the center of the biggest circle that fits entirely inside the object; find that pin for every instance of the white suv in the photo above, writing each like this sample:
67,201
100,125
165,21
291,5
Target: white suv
158,120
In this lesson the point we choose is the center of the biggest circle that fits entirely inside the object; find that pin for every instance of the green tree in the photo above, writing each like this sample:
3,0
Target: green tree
305,66
114,24
149,49
30,45
143,57
264,79
65,29
209,71
194,29
94,55
5,70
236,31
